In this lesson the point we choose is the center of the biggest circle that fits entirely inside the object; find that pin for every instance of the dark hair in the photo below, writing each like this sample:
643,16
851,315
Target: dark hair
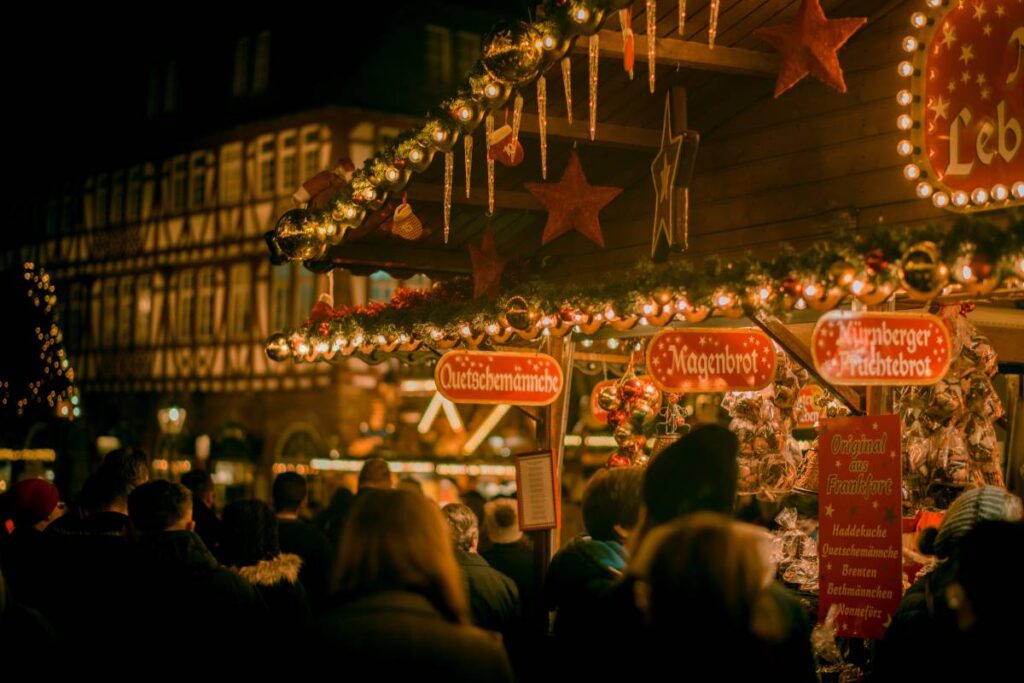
158,505
397,540
199,482
289,491
698,472
121,471
612,497
375,474
989,558
249,534
464,525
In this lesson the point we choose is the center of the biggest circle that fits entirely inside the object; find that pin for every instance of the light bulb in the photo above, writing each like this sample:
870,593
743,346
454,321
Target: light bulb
911,171
905,148
493,329
857,286
613,343
681,305
723,300
392,174
648,309
924,190
1018,189
811,290
904,97
549,42
940,199
904,122
465,113
966,274
918,19
491,90
415,155
764,293
979,195
960,198
1000,193
909,44
581,15
440,134
905,69
466,331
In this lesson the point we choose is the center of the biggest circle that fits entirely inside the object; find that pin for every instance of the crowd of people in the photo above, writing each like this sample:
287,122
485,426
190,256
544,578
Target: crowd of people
664,579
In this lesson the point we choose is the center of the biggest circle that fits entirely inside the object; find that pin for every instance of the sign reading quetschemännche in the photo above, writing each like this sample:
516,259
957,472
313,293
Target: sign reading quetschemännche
859,511
880,348
525,379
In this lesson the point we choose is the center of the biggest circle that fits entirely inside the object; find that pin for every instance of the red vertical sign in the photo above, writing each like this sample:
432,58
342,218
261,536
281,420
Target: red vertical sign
859,510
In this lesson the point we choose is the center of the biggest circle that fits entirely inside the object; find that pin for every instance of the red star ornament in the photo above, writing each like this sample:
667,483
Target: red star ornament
809,45
487,266
572,203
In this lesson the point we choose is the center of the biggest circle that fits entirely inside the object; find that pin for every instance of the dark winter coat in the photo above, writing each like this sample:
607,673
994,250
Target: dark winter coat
277,582
579,575
182,592
516,561
299,537
493,597
402,636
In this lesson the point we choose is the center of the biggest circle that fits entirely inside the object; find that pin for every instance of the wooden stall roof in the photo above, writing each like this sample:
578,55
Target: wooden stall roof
797,168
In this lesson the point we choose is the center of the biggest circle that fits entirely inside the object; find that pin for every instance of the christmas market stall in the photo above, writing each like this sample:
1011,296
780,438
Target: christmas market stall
799,219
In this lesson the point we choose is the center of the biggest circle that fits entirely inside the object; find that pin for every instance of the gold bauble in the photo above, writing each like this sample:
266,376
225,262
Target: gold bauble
922,272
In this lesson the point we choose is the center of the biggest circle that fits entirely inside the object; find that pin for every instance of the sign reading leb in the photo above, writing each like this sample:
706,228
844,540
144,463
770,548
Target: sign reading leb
525,379
711,360
880,348
860,543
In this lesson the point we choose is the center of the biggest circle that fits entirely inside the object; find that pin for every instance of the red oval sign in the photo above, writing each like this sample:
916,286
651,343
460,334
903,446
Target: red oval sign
711,360
525,379
969,104
880,348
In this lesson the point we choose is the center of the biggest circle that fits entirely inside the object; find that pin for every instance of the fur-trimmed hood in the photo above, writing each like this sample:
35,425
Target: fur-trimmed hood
284,567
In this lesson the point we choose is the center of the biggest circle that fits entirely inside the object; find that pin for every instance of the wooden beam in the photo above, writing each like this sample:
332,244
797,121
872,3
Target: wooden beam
505,199
778,331
366,255
692,54
608,134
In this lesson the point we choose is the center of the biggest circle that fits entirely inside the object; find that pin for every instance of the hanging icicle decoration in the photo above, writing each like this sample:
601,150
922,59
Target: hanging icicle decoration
542,124
628,40
489,132
517,117
467,145
713,23
567,83
594,56
652,41
682,16
449,171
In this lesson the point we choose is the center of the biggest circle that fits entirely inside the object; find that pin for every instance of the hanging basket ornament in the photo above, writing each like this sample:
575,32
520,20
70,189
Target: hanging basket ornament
405,223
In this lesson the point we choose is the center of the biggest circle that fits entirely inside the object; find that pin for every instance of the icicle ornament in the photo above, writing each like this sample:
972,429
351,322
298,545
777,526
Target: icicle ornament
713,23
542,124
594,59
489,131
449,171
467,145
567,84
682,16
517,117
652,41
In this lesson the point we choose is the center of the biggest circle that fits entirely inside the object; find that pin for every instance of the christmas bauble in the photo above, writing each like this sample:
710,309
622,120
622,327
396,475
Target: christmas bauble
519,314
299,236
922,272
278,348
510,52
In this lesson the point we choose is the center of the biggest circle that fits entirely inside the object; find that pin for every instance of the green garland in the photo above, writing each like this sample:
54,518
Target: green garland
448,311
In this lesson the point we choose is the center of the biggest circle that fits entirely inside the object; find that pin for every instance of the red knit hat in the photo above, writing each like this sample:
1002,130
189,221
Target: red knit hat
32,500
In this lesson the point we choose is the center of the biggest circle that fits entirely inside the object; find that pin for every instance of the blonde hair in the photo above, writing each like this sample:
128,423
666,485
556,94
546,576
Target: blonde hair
707,566
398,540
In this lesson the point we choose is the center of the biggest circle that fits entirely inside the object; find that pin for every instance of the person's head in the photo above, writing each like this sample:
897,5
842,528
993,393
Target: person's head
289,492
501,521
375,474
341,498
200,483
611,503
696,473
705,575
120,473
249,534
464,525
159,506
988,558
397,540
33,503
410,484
991,503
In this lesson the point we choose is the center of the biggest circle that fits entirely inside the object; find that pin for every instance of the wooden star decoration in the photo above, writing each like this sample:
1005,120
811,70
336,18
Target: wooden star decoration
671,187
573,203
809,45
487,266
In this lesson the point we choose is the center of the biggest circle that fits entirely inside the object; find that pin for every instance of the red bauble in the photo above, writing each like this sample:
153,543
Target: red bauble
618,459
876,262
